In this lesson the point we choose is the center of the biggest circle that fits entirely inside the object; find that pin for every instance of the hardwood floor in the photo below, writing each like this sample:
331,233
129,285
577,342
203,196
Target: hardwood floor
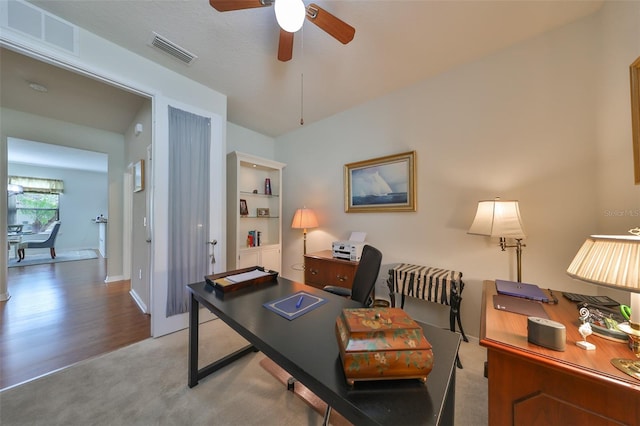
62,313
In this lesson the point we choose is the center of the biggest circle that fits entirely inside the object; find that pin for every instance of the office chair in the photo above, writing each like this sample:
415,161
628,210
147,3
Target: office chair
365,278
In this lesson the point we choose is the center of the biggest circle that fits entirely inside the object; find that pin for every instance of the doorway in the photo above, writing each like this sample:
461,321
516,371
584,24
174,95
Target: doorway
81,199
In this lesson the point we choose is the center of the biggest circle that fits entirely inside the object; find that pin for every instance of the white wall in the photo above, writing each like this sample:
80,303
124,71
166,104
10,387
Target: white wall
84,198
250,142
519,124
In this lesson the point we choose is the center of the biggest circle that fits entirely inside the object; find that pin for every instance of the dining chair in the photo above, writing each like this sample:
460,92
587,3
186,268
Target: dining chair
46,239
14,229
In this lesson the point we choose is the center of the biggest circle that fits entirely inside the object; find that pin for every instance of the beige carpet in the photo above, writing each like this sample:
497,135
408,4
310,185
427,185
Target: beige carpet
146,384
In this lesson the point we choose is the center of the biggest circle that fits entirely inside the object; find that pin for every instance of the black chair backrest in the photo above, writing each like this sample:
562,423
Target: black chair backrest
366,275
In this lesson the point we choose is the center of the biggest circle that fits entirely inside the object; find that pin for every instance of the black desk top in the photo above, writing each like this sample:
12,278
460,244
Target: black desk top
307,348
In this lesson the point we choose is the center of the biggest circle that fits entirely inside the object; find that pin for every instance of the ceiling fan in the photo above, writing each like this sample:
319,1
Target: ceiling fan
332,25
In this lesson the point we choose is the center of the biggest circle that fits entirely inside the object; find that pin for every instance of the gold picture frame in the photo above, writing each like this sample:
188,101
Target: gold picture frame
634,71
384,184
138,176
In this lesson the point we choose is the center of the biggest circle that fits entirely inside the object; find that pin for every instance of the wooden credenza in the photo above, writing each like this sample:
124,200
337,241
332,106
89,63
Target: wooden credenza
532,385
321,269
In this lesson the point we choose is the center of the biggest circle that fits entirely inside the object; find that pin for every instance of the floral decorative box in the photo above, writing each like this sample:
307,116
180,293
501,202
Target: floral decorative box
382,344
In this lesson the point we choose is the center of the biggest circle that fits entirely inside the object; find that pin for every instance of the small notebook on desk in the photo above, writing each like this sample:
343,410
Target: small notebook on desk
523,290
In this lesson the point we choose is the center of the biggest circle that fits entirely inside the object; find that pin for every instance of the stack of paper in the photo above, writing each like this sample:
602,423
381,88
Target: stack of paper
256,273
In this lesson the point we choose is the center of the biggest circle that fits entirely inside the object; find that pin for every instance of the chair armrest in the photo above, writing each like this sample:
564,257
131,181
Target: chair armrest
35,238
340,291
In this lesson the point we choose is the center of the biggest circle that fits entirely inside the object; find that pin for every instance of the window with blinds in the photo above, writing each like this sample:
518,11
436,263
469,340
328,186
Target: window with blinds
38,205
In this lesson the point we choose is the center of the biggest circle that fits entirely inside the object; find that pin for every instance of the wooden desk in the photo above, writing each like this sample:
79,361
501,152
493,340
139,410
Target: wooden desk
307,348
532,385
321,269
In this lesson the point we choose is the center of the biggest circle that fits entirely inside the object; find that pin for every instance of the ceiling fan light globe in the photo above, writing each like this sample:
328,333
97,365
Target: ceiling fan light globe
290,14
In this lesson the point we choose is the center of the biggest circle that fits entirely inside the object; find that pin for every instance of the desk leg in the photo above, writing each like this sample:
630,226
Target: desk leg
194,306
449,409
196,373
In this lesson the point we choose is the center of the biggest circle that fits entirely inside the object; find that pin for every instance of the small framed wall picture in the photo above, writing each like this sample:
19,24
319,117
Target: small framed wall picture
138,176
261,212
244,210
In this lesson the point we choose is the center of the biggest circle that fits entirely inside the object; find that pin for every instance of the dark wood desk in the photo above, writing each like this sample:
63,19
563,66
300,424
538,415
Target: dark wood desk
307,348
532,385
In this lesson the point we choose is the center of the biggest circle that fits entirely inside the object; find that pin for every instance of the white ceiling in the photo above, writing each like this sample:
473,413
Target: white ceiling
32,153
397,43
87,102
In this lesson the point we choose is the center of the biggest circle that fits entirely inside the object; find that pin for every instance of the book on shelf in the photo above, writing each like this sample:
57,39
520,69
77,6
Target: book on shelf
254,238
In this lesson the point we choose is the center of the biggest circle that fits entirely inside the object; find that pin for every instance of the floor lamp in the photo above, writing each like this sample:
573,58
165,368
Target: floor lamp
304,218
497,218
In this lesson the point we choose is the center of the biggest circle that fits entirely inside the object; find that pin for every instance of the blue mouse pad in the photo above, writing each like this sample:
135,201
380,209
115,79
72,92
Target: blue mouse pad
296,304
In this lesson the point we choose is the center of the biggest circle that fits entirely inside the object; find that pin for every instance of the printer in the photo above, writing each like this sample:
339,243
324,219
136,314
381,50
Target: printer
349,250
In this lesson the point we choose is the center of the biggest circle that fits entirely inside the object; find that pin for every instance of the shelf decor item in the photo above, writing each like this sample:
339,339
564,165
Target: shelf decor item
267,186
262,212
244,210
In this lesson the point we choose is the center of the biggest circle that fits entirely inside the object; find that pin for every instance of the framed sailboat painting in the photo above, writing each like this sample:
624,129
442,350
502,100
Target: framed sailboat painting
384,184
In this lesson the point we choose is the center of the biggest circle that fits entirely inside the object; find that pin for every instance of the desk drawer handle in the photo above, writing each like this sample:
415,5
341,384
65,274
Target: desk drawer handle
313,271
342,278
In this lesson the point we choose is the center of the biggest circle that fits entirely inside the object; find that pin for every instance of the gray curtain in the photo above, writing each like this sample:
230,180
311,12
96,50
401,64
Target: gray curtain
189,146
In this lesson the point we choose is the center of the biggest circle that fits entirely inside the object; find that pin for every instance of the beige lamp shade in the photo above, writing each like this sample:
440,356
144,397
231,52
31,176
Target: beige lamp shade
304,218
497,218
609,260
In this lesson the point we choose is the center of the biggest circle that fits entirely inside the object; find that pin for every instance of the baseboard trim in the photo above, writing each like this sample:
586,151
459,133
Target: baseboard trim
114,278
139,302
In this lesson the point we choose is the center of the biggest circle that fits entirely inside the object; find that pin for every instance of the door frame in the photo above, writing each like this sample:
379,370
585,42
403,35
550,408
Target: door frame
160,323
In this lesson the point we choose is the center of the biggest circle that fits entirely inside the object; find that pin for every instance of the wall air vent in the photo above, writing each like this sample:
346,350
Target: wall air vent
27,19
172,49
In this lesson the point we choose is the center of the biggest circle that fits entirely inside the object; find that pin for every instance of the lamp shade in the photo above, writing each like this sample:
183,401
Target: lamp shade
496,218
290,14
304,218
609,260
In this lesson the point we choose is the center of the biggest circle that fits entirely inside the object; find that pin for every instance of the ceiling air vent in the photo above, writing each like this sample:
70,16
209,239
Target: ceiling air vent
172,49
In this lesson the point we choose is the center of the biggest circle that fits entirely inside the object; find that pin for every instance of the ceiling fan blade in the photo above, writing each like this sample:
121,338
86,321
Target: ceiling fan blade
285,46
335,27
229,5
